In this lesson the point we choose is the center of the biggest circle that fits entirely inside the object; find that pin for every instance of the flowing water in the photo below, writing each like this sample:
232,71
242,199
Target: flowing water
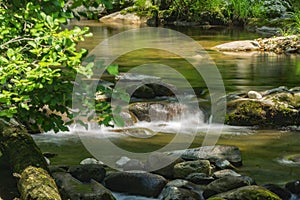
262,150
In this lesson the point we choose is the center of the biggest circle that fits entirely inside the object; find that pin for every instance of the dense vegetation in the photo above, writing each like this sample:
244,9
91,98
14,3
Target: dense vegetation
276,13
38,63
39,59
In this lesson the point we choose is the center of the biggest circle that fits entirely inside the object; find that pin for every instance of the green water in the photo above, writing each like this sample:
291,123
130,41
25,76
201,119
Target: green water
240,72
260,151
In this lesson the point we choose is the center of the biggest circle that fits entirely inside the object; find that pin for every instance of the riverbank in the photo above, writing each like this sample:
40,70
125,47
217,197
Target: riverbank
283,44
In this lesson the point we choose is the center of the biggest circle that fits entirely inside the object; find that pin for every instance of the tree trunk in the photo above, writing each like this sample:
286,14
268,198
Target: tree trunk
27,161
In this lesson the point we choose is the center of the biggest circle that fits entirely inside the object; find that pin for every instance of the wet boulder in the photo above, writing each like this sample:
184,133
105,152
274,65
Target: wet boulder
71,188
277,107
252,192
224,172
162,164
199,178
283,193
136,183
293,187
157,111
183,169
181,189
85,173
133,164
224,184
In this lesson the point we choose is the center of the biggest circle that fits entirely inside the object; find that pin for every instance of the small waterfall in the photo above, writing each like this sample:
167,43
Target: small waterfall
168,117
166,112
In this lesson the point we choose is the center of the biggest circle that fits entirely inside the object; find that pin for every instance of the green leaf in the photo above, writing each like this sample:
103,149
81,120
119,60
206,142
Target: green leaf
113,70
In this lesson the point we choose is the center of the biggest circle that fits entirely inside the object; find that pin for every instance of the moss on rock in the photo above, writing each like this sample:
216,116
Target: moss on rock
36,183
273,111
253,192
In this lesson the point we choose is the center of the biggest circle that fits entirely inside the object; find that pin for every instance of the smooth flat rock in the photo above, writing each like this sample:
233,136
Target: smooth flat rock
243,45
119,18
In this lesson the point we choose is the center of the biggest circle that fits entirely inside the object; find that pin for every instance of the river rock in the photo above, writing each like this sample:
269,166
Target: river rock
133,164
212,153
181,189
293,187
123,19
122,161
252,192
283,193
223,185
144,92
268,30
199,178
72,188
136,183
183,169
223,164
273,110
224,172
156,160
88,161
174,193
87,172
157,111
254,95
245,45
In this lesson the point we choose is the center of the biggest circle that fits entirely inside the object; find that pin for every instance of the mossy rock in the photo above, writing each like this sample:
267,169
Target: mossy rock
253,192
36,183
262,113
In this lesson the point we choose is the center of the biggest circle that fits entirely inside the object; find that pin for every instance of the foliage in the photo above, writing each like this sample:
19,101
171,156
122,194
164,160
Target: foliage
190,10
38,63
295,5
142,8
296,24
93,9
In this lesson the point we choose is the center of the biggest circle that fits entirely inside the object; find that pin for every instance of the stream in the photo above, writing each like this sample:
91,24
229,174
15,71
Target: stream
262,150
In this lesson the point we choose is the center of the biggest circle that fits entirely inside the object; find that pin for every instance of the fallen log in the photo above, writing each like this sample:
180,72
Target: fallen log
27,163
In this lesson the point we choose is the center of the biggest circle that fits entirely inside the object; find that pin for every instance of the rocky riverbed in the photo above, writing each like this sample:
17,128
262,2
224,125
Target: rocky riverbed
209,172
284,44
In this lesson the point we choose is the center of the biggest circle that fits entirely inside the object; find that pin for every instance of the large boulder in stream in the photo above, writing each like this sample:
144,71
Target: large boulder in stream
136,183
224,184
274,108
157,111
85,173
71,188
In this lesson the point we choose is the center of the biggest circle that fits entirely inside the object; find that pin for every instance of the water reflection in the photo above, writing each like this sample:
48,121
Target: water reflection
241,71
